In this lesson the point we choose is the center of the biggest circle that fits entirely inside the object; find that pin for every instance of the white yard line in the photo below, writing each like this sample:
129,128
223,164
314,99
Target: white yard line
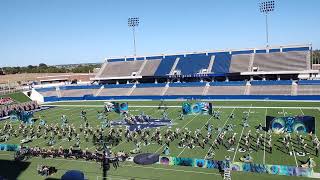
135,166
71,115
124,141
176,170
200,131
220,131
18,126
301,111
181,128
265,137
235,152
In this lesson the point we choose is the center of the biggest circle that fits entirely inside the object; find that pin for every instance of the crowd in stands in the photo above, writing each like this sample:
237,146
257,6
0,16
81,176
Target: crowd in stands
27,106
6,101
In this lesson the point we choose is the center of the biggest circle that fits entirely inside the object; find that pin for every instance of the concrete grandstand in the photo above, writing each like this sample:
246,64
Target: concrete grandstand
283,72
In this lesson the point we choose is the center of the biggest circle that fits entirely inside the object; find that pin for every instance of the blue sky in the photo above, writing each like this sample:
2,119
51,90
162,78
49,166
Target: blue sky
79,31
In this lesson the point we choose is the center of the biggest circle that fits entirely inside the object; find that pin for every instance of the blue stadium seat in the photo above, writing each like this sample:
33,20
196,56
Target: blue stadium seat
190,84
165,66
295,49
45,89
230,83
118,86
309,82
221,62
80,87
265,83
193,63
147,85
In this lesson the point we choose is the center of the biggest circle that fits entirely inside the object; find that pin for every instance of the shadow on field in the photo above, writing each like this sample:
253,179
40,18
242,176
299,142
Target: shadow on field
12,169
51,178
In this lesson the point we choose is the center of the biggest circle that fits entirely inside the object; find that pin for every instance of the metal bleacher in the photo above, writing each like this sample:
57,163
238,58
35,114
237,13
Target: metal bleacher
193,63
309,87
78,91
295,58
150,67
224,88
116,90
148,89
193,88
271,87
121,68
281,61
239,63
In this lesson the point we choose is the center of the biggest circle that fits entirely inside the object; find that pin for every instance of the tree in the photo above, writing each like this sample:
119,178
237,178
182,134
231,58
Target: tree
42,65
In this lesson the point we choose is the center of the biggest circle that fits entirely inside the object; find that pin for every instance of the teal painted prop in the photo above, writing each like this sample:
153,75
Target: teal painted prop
238,166
9,147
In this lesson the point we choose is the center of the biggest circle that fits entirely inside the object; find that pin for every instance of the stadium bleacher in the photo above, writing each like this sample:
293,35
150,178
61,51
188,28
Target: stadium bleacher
218,64
223,88
222,62
308,87
193,63
165,66
282,87
193,88
121,68
239,63
273,59
149,89
78,91
115,90
281,61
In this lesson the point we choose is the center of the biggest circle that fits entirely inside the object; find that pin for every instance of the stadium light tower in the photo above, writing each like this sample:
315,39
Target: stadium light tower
133,23
266,7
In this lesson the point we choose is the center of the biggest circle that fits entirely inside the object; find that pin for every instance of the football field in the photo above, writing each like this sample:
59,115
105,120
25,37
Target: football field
257,112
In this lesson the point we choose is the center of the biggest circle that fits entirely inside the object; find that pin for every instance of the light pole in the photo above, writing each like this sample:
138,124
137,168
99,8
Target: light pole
133,22
266,7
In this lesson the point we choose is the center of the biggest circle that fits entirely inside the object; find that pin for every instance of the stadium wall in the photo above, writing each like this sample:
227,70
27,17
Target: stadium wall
179,97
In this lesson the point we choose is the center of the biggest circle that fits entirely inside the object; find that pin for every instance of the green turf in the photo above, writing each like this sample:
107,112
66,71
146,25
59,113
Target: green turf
127,169
18,96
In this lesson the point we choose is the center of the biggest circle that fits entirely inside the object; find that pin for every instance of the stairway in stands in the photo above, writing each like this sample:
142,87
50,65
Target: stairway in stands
247,88
251,62
174,65
99,91
165,89
206,88
294,89
131,90
211,63
58,91
142,66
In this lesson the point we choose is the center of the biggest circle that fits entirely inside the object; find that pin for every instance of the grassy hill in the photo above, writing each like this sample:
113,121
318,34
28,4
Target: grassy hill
17,96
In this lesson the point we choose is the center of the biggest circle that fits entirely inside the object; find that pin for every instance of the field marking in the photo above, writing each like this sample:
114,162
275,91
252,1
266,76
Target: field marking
220,132
181,128
200,131
235,152
294,153
75,122
19,137
135,166
71,115
265,137
177,170
124,141
152,106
